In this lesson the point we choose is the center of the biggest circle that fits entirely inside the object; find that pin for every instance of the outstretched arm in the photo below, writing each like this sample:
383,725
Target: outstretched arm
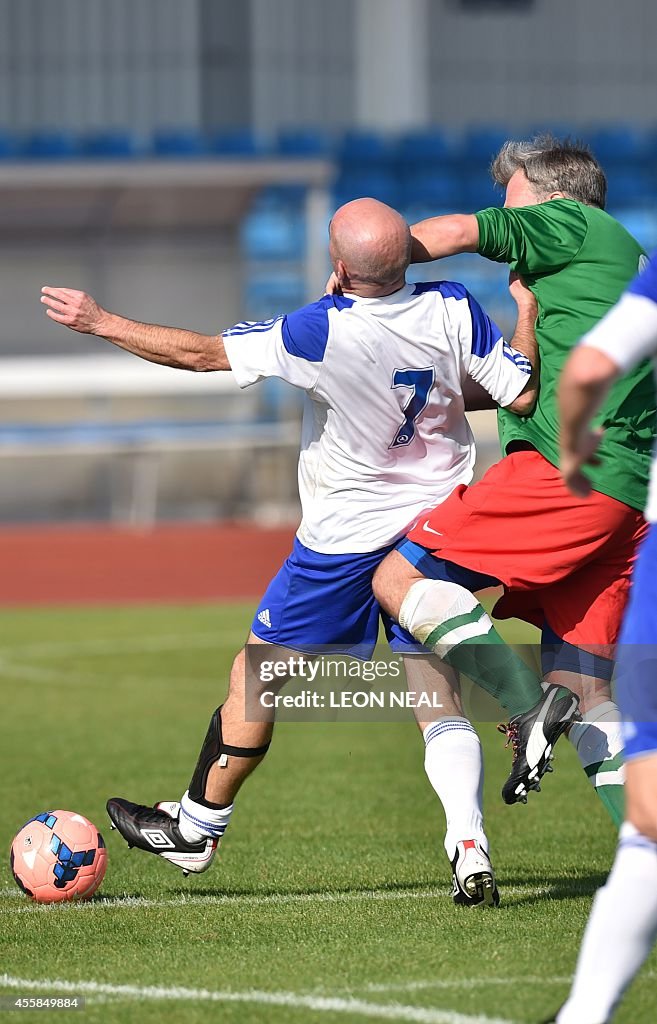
444,236
169,346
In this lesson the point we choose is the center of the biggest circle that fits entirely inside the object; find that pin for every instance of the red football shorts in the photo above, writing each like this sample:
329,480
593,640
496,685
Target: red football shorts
564,561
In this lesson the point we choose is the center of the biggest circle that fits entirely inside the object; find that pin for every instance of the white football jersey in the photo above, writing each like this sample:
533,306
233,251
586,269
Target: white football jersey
384,434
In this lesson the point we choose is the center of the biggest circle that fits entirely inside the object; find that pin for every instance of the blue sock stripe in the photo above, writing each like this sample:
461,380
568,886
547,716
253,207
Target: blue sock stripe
207,826
442,727
638,842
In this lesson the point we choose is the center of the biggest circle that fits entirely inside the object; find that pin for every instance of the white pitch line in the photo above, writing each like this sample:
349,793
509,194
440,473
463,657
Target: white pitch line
127,645
246,899
462,983
293,1000
34,674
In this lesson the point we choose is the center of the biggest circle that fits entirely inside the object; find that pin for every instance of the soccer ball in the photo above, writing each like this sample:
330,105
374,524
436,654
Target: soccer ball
57,856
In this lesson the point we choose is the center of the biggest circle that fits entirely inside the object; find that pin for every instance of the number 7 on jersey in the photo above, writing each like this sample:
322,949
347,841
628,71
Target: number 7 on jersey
420,383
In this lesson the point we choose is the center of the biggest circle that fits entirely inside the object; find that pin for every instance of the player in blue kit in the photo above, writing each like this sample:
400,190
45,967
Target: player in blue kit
623,922
382,367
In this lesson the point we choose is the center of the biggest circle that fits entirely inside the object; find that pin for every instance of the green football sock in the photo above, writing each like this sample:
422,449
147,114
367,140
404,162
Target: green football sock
488,661
598,740
612,794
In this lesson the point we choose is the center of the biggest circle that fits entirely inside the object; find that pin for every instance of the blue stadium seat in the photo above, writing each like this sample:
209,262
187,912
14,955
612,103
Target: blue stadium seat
377,184
479,191
421,151
109,145
179,142
363,151
284,197
303,143
236,142
630,186
415,211
433,189
9,146
273,234
50,145
481,144
618,144
273,293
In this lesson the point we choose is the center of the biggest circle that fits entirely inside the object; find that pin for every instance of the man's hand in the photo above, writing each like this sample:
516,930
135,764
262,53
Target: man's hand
524,299
74,309
169,346
333,286
572,460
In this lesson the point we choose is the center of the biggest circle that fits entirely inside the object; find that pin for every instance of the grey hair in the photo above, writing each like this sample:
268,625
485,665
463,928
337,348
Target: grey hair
553,166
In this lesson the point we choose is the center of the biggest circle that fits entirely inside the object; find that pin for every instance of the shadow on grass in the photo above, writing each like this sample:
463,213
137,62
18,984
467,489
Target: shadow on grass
538,889
552,889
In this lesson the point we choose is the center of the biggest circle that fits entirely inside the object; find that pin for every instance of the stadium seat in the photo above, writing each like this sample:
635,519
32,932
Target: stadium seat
109,145
282,197
236,142
50,145
364,151
9,146
273,234
377,184
422,151
432,189
618,144
303,143
273,293
179,142
480,144
479,191
630,186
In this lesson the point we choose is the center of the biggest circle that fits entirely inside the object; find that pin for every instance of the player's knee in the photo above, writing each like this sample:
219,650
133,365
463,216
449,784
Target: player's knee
429,604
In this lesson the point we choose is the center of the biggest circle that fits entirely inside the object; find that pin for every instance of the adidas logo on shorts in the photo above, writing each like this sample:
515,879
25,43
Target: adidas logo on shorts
263,617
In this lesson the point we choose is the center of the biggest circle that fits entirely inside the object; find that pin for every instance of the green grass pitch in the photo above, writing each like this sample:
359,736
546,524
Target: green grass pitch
330,899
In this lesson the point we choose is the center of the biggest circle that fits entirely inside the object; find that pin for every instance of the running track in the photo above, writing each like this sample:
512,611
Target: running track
100,564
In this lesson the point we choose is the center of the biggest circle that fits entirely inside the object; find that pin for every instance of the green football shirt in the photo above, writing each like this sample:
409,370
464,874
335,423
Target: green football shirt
577,260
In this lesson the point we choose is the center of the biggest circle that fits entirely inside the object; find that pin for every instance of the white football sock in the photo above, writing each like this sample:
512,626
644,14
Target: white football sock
196,821
620,932
454,765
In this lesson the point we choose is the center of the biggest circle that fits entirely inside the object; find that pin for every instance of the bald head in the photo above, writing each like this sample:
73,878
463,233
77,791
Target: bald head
370,247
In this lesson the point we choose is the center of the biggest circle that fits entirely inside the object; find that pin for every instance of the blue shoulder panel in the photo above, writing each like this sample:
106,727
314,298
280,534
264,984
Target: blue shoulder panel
305,332
485,332
448,289
646,282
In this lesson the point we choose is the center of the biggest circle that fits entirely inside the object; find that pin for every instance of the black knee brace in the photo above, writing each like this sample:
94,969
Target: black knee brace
214,749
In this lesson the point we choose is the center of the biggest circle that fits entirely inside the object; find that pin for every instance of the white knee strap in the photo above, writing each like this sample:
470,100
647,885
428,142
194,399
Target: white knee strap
432,606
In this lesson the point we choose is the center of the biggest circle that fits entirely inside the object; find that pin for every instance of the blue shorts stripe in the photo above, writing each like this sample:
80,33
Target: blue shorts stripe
433,567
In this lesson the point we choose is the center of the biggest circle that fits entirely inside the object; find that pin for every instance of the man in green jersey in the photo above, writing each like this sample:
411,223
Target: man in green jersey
565,562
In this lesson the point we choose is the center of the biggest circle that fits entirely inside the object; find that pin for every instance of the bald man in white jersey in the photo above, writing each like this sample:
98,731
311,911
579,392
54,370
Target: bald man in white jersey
384,436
